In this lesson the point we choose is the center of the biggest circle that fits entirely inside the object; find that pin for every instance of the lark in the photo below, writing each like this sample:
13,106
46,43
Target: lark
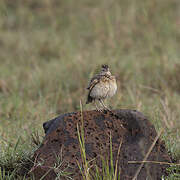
101,86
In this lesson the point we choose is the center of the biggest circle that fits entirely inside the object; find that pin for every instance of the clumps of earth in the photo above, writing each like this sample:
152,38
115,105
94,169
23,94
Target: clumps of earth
129,128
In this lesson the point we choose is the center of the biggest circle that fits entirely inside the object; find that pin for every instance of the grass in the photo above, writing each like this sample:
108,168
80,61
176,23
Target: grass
50,49
89,170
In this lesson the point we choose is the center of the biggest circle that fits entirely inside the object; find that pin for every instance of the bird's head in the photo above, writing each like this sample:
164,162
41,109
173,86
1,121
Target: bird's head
105,70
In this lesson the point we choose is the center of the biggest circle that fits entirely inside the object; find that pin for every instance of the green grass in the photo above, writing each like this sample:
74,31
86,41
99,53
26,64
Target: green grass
89,169
50,49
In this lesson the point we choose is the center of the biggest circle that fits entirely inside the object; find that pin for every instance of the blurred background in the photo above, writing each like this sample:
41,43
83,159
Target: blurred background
49,49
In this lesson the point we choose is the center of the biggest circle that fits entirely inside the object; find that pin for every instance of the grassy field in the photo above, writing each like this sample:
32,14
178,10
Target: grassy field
50,49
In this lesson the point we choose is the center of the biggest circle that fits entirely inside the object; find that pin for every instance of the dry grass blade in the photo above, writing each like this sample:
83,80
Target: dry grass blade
147,154
166,115
86,167
116,168
36,138
155,162
151,89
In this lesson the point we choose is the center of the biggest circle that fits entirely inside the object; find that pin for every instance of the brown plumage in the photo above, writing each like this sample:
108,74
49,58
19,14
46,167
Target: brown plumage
101,86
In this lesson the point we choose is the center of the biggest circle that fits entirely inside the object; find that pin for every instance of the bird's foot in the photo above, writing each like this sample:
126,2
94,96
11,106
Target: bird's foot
99,110
107,109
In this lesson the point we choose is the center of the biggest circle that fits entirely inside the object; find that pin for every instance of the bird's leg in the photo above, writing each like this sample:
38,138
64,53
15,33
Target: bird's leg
97,108
102,103
104,107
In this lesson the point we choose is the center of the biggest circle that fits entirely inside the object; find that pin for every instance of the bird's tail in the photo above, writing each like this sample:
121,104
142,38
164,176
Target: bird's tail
89,99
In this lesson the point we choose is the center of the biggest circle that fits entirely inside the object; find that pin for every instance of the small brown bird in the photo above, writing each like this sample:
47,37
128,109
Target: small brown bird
101,86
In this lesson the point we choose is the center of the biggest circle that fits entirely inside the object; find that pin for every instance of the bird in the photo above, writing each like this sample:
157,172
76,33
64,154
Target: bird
101,86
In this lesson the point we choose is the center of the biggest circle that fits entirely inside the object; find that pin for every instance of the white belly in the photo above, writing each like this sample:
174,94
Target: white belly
112,89
100,91
104,90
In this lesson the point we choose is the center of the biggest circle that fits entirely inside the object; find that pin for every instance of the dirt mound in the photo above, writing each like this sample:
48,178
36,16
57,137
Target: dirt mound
131,127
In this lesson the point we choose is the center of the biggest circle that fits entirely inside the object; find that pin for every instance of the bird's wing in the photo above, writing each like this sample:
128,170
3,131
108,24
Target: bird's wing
93,82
